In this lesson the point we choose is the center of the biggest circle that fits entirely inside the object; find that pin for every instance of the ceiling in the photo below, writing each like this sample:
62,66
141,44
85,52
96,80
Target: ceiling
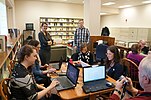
116,5
106,9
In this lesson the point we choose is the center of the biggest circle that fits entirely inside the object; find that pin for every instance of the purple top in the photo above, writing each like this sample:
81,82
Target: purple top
135,57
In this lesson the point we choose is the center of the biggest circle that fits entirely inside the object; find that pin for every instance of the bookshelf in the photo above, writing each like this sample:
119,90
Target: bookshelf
62,28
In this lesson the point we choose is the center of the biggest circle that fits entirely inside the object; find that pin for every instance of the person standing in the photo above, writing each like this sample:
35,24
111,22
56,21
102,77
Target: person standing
81,35
45,42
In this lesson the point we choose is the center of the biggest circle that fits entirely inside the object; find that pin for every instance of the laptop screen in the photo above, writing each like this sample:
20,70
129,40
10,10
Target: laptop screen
72,73
93,73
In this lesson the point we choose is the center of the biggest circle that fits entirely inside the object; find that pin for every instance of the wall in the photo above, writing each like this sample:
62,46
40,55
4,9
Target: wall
129,17
3,18
31,11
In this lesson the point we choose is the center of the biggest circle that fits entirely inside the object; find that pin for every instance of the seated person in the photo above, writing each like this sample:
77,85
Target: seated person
135,55
22,83
84,55
40,75
144,49
144,80
112,63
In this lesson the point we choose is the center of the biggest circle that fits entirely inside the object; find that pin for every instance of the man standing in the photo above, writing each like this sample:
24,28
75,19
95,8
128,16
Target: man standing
144,80
81,35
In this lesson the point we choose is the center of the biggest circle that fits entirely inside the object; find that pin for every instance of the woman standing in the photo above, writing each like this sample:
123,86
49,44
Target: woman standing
45,42
114,68
22,83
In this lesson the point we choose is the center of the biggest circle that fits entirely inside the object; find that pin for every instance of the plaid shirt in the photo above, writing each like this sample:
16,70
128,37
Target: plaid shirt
81,35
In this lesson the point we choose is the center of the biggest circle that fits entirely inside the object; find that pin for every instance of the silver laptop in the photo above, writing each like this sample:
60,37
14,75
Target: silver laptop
70,80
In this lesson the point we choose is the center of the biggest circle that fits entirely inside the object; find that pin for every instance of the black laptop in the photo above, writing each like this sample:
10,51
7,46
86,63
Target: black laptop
70,80
94,79
57,66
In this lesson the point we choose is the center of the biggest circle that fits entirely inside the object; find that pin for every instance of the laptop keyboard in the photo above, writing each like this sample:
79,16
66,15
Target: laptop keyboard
64,81
95,86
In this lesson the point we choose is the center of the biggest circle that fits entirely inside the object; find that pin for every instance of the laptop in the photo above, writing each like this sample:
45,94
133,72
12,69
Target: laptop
94,79
57,66
70,80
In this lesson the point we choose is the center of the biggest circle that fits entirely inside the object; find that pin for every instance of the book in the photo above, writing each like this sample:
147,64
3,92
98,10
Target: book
3,43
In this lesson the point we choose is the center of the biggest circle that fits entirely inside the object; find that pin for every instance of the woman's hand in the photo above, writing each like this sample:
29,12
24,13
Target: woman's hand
51,70
49,42
54,83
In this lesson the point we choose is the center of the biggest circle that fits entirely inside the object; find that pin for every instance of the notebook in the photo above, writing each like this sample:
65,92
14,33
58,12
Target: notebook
70,80
82,64
94,79
57,66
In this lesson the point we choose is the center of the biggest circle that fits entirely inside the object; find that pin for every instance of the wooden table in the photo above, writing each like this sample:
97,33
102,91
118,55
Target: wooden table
77,93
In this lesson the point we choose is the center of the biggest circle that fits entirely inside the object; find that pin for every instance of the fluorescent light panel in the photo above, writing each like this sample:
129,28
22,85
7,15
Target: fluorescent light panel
108,3
103,13
145,2
124,6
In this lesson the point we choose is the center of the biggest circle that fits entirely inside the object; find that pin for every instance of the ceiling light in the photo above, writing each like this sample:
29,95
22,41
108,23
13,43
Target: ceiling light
124,6
109,3
103,13
149,1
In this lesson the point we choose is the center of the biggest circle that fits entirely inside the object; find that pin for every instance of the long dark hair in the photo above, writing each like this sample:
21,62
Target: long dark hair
116,53
25,50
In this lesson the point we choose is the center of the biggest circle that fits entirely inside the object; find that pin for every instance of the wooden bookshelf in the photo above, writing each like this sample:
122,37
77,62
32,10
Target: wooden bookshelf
9,54
61,27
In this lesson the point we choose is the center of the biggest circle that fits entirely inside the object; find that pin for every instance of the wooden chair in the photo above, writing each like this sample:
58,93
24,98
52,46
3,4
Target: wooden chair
4,89
11,66
131,70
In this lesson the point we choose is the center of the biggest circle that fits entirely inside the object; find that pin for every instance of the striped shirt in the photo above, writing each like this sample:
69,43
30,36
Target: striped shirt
81,35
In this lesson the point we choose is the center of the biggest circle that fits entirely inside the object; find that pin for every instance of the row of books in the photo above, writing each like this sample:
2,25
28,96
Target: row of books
58,20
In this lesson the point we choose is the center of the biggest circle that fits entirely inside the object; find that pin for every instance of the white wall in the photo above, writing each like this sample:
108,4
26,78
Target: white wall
3,18
31,11
136,17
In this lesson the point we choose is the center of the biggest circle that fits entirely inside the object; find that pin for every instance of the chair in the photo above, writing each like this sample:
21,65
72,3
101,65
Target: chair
11,65
101,50
131,70
4,89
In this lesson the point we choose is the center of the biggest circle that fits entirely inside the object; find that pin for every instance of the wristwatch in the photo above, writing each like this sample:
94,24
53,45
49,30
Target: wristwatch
118,91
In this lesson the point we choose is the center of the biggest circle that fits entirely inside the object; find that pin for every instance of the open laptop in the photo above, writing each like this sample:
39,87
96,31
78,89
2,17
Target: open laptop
70,80
57,66
94,79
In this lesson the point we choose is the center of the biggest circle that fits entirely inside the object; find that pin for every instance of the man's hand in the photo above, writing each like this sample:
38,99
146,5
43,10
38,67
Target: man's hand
130,87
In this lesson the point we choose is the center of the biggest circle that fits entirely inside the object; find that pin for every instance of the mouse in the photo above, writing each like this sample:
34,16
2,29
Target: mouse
109,84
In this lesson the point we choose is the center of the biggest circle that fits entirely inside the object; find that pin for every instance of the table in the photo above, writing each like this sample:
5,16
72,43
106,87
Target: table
77,93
